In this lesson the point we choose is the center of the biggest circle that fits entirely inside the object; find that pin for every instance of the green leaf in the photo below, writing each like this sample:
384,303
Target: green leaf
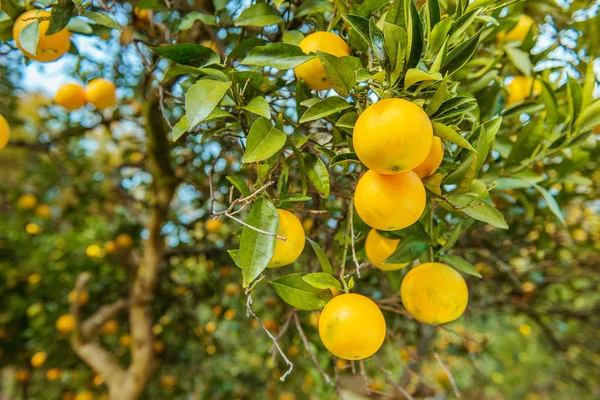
188,54
512,183
589,85
433,8
313,7
341,71
295,198
103,19
414,29
520,59
378,45
321,256
264,140
414,75
458,57
179,129
12,8
188,21
324,108
360,24
462,24
407,251
439,34
344,157
239,183
528,138
293,37
589,118
317,174
478,209
258,15
235,256
29,37
438,98
461,264
202,98
575,96
259,106
451,135
322,280
257,249
551,203
277,55
296,292
77,25
549,98
61,14
347,120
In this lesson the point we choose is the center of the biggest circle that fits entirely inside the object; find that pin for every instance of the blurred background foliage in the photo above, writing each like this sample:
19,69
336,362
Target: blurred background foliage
74,195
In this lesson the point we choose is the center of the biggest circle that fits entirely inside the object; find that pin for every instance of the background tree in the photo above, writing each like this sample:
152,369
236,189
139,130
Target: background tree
129,215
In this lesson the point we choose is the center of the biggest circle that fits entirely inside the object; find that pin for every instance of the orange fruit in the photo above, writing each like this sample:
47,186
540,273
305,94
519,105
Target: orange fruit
519,32
27,202
110,327
38,359
53,374
433,160
213,225
49,48
288,251
434,293
124,241
101,93
392,136
65,323
211,45
379,248
70,96
143,15
22,375
389,202
312,71
43,211
352,327
521,87
33,229
4,132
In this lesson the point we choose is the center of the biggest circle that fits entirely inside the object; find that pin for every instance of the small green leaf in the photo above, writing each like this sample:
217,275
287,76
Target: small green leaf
414,75
295,198
235,256
407,251
322,280
589,118
188,54
179,129
344,157
259,106
77,25
277,55
296,292
347,120
461,264
451,135
551,203
103,19
202,98
324,108
61,14
29,37
520,59
341,71
188,21
479,210
458,57
360,24
264,140
258,15
317,174
462,24
239,183
257,249
325,264
438,98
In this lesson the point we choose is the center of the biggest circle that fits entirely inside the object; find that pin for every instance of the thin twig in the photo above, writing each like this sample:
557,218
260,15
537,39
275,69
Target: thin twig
448,374
363,373
307,347
354,258
389,379
273,338
239,221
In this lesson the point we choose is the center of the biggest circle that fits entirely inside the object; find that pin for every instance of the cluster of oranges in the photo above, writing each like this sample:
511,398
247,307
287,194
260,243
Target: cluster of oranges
394,139
99,92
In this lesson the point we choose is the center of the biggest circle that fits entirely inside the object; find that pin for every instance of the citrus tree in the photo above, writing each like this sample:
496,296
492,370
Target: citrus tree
296,199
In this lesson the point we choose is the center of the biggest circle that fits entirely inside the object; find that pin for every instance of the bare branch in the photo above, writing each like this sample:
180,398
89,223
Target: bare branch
363,373
253,227
309,350
91,326
389,379
448,374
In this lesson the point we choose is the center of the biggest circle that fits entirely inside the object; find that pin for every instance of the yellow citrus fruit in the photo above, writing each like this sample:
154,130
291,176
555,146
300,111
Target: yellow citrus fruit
43,211
70,96
4,132
110,327
38,359
433,160
168,381
142,14
379,248
84,396
98,380
101,93
521,87
110,247
53,374
211,45
213,225
93,251
84,297
312,71
352,327
49,48
124,241
389,202
65,323
210,327
392,136
434,293
229,314
291,229
158,346
34,279
125,340
33,229
21,375
525,329
519,32
27,202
